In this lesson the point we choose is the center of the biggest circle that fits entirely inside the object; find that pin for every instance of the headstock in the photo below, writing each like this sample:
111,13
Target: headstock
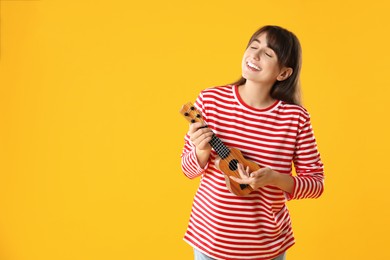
190,113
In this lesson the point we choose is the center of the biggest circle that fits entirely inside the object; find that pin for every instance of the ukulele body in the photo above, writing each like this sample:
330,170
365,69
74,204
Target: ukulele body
228,166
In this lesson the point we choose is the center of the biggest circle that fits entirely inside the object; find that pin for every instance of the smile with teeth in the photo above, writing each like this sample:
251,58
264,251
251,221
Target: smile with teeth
253,66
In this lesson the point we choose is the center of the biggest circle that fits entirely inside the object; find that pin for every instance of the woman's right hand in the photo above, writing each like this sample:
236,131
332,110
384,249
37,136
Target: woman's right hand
200,136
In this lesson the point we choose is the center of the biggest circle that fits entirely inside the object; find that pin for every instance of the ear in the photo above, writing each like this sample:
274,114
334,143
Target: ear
285,73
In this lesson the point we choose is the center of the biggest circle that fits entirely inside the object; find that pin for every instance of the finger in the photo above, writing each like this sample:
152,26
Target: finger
247,171
205,142
203,138
241,171
195,126
201,130
261,172
240,181
257,173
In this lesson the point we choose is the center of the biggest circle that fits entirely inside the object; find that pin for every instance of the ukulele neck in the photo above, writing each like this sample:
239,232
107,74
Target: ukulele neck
222,150
193,115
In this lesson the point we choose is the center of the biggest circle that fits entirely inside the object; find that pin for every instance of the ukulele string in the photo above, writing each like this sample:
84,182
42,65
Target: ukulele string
227,156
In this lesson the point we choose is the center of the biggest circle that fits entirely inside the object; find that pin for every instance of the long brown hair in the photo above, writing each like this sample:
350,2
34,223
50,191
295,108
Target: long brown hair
288,50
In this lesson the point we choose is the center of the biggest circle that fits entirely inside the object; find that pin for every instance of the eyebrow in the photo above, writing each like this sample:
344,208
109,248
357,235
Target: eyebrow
258,41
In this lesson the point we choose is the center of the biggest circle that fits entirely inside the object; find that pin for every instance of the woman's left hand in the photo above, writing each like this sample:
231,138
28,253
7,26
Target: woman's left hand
257,179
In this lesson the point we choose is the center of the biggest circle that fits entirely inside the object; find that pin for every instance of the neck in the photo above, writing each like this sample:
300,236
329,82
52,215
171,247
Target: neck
256,95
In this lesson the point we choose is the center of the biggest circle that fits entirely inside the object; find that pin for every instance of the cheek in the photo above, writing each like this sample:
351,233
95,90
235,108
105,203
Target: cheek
243,58
243,63
272,65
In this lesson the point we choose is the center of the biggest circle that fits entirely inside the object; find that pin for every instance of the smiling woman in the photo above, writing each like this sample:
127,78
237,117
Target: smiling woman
277,47
259,115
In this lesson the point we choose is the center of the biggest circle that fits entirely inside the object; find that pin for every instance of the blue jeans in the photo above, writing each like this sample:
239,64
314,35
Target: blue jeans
200,256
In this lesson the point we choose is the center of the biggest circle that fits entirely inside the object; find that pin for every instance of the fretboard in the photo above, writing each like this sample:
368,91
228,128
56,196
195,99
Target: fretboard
221,149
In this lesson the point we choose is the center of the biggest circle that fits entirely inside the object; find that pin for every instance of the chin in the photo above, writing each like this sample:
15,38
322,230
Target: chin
248,77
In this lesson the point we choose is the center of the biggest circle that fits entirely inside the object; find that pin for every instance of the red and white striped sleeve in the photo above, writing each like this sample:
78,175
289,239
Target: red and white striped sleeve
309,182
189,162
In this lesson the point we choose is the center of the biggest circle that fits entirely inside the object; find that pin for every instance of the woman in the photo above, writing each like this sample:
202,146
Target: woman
260,115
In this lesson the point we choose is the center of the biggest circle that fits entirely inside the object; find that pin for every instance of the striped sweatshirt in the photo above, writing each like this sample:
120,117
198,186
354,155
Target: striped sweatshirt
258,226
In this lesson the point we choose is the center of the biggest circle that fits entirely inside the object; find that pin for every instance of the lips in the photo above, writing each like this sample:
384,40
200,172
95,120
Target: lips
252,66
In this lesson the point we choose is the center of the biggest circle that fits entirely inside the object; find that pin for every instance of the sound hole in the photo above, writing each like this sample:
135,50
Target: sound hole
243,186
233,164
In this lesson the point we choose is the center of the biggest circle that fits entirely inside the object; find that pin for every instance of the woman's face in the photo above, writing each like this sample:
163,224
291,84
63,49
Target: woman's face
260,63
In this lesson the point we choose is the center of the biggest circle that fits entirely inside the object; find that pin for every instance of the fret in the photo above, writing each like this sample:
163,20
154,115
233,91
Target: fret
222,150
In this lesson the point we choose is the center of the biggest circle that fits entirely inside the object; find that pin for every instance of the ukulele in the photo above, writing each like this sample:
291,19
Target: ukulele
229,157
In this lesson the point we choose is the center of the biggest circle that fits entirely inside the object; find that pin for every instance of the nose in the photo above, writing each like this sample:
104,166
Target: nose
256,56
